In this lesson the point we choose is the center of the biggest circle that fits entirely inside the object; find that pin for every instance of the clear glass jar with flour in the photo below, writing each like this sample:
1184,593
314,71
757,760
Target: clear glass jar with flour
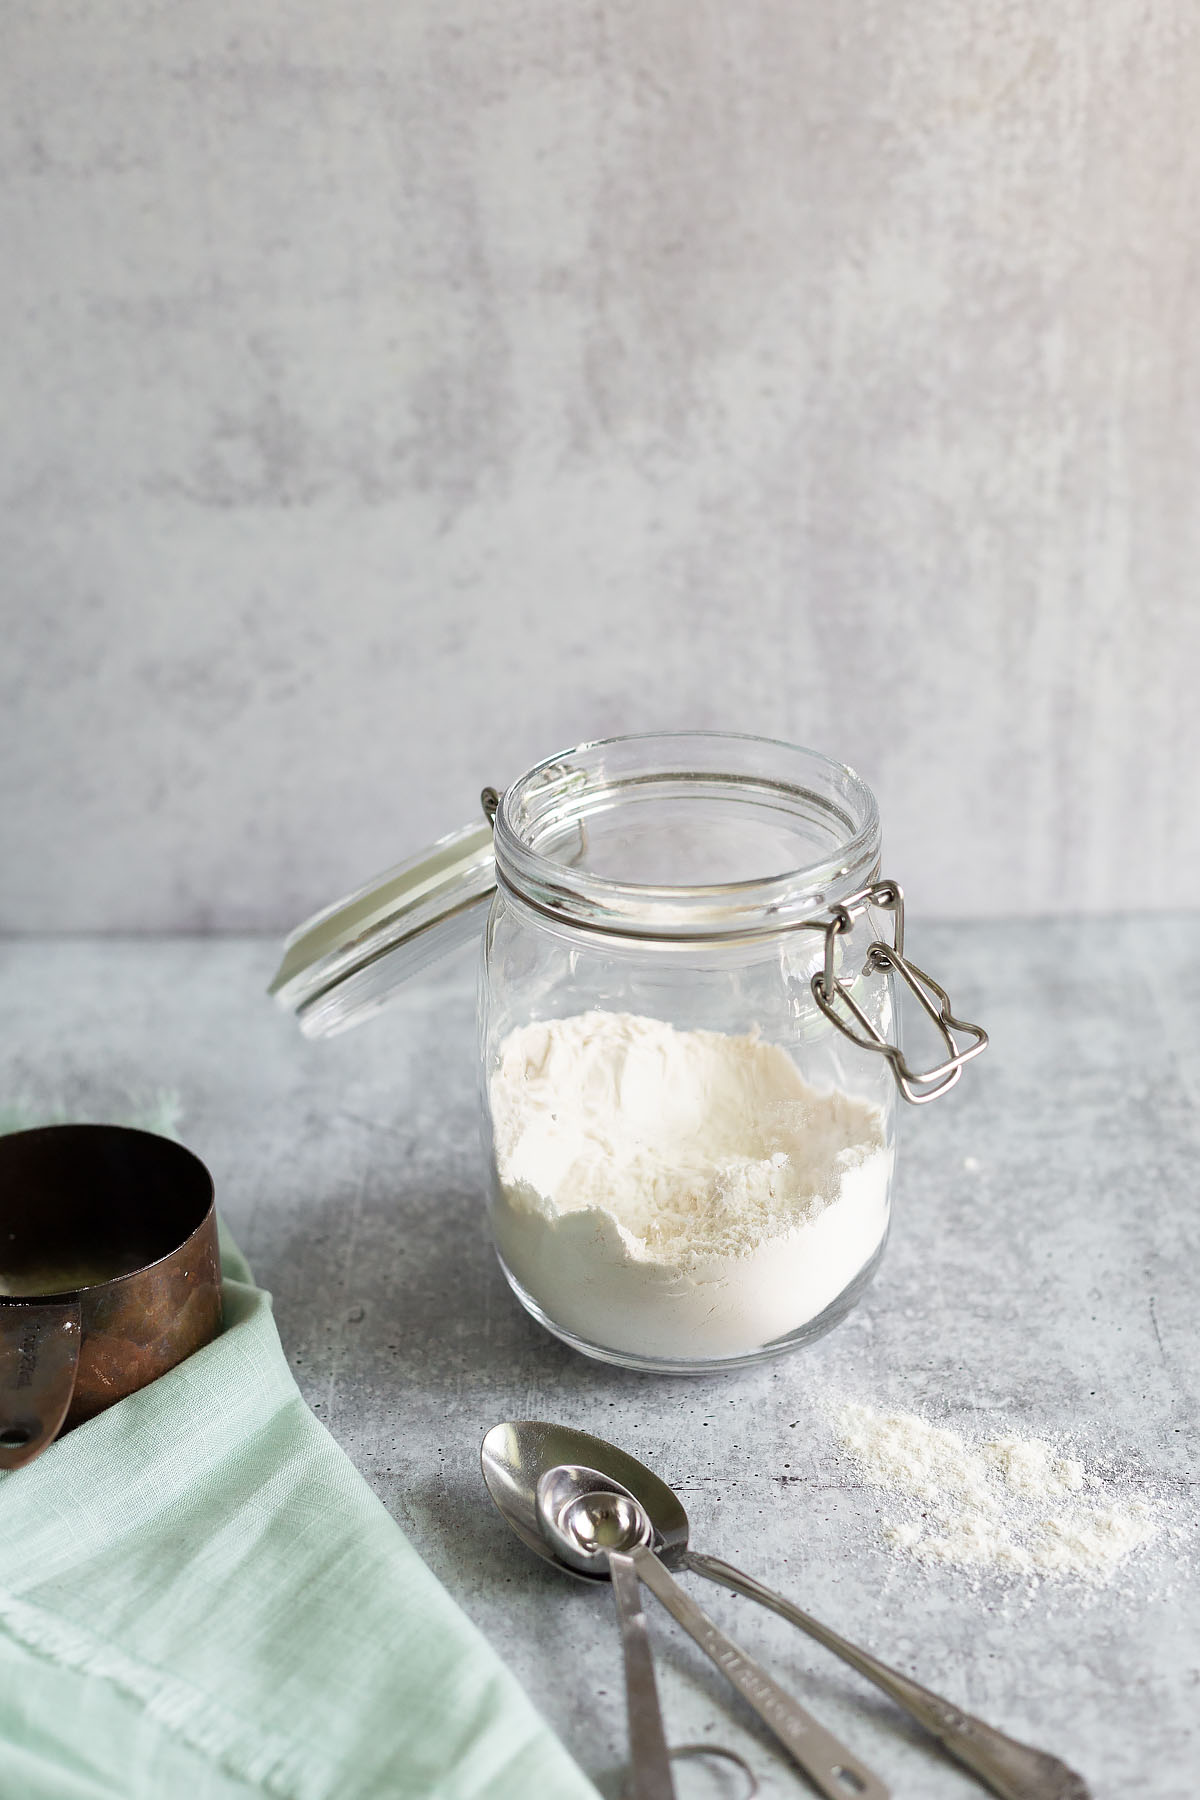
688,1026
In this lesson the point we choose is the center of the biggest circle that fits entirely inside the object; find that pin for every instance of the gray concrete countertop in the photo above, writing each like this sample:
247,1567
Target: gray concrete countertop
1041,1277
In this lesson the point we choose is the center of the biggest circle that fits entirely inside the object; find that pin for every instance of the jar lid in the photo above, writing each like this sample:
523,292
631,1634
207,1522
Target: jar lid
347,961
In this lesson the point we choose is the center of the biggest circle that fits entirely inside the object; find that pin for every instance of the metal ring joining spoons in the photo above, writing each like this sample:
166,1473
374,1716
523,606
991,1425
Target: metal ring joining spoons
700,1751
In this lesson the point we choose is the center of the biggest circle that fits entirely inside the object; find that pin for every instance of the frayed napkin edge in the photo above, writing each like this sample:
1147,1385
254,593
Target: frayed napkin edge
274,1765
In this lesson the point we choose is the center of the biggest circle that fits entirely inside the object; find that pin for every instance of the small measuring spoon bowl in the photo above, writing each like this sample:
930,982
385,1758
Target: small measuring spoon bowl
593,1528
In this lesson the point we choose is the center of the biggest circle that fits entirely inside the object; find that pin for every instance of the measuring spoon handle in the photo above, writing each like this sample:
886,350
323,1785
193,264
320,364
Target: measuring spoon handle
649,1760
833,1769
1010,1769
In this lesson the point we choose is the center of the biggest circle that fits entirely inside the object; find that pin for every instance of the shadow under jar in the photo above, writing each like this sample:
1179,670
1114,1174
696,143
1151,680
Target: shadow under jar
689,1051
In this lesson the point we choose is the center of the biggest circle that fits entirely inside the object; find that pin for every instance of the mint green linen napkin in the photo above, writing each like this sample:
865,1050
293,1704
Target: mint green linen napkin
200,1596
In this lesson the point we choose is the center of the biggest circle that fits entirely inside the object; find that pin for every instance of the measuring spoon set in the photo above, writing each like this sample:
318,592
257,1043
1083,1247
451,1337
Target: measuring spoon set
600,1515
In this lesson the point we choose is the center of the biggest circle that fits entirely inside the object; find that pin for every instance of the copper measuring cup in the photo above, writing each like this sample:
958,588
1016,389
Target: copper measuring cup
109,1273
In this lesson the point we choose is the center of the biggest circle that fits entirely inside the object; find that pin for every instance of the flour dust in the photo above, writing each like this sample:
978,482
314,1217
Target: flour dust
1022,1507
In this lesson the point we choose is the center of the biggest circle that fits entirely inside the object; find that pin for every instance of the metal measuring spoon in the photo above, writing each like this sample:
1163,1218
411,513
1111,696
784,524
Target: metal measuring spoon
587,1521
516,1454
558,1505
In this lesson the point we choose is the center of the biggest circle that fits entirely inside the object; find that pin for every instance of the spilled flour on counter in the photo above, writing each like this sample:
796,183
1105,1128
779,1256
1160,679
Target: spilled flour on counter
1006,1505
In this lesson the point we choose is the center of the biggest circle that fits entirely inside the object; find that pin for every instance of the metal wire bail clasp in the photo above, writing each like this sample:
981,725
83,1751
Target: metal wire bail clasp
916,1086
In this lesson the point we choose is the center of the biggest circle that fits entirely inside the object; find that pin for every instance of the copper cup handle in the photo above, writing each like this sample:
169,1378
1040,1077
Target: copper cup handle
39,1357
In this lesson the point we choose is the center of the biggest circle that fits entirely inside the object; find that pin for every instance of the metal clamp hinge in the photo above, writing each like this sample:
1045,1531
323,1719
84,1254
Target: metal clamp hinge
917,1086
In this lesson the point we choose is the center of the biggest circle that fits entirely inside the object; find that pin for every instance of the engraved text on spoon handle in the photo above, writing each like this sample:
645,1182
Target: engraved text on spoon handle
1010,1769
828,1764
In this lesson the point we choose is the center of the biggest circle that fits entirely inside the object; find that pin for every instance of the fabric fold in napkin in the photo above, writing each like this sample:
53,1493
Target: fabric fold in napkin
201,1597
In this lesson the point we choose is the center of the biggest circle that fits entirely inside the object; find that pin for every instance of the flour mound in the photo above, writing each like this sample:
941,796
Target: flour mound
678,1194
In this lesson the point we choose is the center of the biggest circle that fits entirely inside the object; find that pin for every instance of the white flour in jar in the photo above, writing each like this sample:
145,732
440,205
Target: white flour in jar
678,1194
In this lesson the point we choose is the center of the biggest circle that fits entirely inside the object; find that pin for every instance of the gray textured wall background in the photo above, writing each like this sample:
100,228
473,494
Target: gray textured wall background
397,393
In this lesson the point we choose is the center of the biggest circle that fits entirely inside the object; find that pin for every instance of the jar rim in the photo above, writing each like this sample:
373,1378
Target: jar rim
558,794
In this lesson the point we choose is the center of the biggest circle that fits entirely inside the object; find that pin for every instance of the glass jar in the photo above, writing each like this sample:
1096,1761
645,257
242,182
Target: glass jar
689,1050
